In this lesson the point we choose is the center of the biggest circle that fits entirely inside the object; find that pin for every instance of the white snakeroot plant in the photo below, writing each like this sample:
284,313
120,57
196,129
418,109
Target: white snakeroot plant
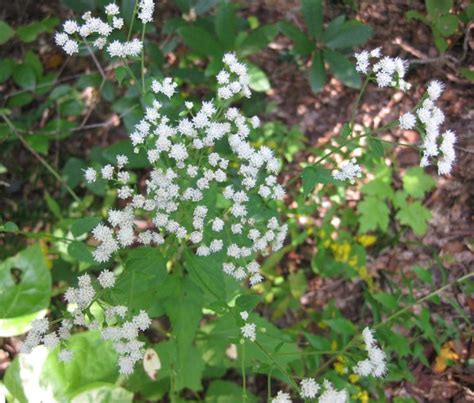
198,156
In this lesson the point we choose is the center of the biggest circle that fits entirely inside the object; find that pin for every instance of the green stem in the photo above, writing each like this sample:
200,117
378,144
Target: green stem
283,371
244,378
269,385
135,9
38,235
143,59
357,103
39,158
395,315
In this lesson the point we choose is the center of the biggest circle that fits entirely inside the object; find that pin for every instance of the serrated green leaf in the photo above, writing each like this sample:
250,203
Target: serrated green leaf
317,72
342,68
417,183
79,251
374,214
142,282
6,32
312,175
416,216
341,326
378,187
312,11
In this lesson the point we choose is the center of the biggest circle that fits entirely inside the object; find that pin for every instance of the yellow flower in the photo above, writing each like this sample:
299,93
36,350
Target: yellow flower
366,240
354,378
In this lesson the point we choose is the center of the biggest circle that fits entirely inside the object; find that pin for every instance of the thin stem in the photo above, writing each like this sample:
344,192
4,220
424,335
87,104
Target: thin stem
99,67
143,59
269,385
395,315
39,158
38,235
357,103
283,371
244,378
135,9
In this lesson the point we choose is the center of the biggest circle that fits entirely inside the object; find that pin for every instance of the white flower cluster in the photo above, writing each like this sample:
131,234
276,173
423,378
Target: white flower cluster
146,8
430,118
376,364
81,297
96,32
387,71
233,79
309,390
124,337
349,170
203,155
249,330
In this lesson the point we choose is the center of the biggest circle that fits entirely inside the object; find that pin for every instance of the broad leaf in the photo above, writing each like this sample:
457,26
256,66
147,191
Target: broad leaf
201,41
436,8
317,72
342,68
417,183
447,25
26,283
104,393
84,225
312,11
374,214
416,216
301,44
257,40
6,32
350,34
226,24
313,175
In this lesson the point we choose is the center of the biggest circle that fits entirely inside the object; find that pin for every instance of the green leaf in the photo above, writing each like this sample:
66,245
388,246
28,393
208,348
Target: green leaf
72,171
417,183
379,187
104,393
201,41
31,59
19,325
301,44
374,214
333,28
226,24
342,68
387,300
258,80
10,226
465,72
423,274
93,361
84,225
351,33
135,160
79,251
6,32
376,147
247,302
342,326
317,72
24,76
257,40
447,24
120,74
312,11
6,69
26,284
415,15
441,43
313,175
53,206
29,33
416,216
436,8
185,317
142,281
227,392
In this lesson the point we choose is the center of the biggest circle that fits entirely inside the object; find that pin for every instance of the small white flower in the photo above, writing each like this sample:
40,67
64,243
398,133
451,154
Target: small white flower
106,279
309,388
90,175
65,355
349,171
435,89
112,9
407,121
249,331
244,315
71,47
282,397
